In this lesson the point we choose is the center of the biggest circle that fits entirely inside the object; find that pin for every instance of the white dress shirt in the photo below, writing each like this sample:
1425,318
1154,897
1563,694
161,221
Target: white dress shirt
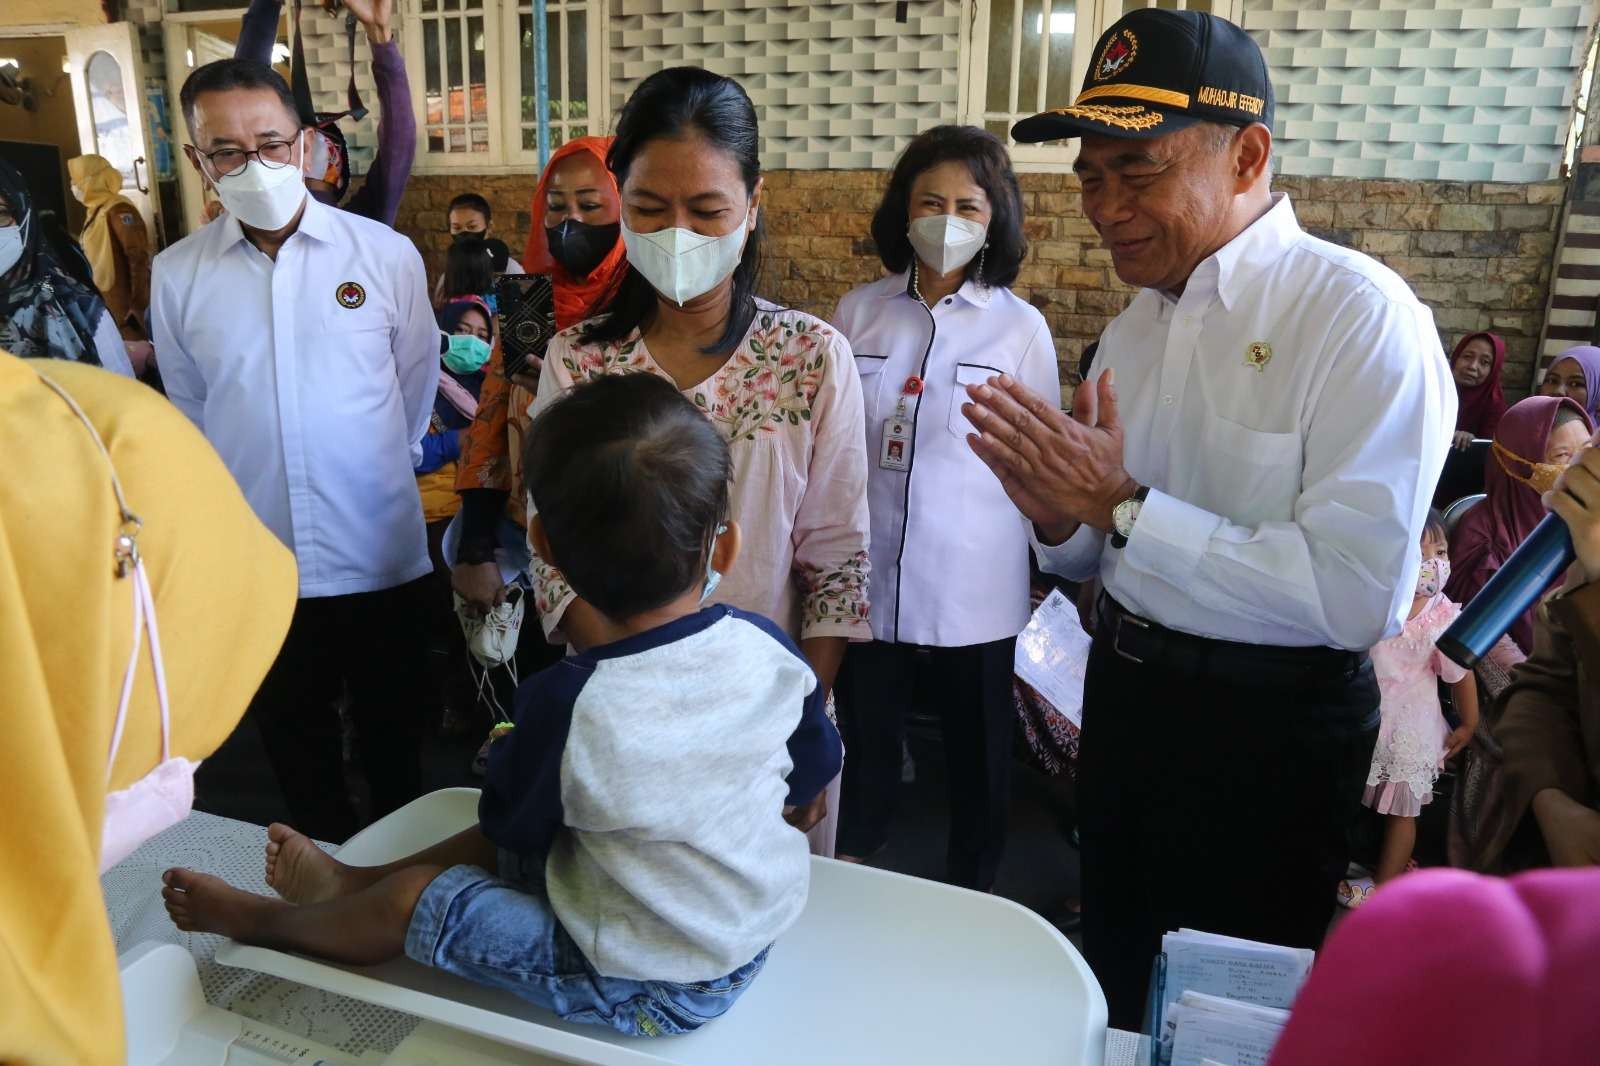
314,378
1291,413
949,550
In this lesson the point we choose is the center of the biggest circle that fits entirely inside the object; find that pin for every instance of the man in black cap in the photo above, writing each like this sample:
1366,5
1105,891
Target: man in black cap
1248,477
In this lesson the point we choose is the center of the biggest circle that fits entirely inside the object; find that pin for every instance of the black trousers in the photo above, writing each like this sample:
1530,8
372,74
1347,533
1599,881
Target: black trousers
970,689
1215,803
370,645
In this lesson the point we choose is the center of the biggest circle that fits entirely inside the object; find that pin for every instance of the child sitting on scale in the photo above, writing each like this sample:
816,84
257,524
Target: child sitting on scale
631,864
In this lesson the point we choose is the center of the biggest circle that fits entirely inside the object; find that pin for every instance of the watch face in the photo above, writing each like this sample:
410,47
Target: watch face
1123,517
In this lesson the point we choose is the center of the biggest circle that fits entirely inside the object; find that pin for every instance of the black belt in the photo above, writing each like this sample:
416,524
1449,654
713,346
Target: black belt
1250,665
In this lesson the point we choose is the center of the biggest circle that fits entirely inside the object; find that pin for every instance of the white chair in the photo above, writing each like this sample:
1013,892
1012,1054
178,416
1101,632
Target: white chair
880,968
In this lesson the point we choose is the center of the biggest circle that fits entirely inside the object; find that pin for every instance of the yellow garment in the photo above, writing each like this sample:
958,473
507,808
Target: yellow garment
224,590
100,185
438,491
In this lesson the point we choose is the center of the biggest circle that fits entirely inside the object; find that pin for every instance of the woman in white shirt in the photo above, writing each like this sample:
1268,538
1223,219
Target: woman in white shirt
949,577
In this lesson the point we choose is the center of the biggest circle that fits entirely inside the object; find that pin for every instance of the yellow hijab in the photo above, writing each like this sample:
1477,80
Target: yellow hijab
224,590
99,185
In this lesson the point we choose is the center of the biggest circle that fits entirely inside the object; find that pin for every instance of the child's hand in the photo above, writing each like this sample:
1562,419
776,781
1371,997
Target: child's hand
806,818
1458,739
1460,441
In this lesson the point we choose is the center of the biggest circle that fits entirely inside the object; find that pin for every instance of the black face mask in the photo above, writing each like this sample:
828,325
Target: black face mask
468,235
580,247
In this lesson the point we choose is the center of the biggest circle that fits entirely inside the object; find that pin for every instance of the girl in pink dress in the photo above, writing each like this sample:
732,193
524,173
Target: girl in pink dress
1415,740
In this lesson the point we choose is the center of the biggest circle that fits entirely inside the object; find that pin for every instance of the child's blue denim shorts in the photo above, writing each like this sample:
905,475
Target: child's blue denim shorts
502,932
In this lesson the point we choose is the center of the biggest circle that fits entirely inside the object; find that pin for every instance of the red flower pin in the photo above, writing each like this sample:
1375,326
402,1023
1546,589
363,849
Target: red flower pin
913,385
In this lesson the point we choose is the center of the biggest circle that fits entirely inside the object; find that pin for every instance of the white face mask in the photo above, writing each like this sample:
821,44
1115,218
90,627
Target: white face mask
681,264
263,197
164,796
947,242
77,193
11,242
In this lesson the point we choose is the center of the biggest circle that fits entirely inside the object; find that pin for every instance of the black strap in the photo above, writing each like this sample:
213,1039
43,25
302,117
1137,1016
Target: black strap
300,81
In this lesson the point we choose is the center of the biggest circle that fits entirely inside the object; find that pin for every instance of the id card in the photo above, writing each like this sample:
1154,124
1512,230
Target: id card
896,450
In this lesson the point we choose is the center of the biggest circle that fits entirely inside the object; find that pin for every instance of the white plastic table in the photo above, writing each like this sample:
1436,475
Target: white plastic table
880,968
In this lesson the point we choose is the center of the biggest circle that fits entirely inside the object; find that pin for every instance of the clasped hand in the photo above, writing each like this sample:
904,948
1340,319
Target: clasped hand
1061,470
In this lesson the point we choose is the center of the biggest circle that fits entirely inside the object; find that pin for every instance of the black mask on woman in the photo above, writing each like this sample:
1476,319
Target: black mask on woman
580,247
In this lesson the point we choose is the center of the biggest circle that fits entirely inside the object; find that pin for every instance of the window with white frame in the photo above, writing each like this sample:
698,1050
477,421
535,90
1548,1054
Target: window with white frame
1021,57
473,81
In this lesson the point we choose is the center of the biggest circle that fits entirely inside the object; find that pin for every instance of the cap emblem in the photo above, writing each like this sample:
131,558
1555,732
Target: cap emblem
1117,56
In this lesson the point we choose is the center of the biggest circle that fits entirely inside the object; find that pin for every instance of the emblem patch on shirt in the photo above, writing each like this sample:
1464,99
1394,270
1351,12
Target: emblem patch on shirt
1258,355
350,295
1117,56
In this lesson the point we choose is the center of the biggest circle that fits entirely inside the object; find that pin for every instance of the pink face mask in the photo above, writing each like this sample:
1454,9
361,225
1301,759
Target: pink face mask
163,797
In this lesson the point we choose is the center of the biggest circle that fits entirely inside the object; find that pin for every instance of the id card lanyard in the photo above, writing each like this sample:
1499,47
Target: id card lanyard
899,429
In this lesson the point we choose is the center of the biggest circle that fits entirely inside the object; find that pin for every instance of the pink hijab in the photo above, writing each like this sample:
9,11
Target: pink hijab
1491,531
1450,967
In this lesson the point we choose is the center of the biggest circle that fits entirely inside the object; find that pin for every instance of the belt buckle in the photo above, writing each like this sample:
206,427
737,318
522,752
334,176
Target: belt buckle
1116,641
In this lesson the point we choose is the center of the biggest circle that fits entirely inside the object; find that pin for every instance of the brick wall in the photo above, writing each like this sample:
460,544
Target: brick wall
1478,254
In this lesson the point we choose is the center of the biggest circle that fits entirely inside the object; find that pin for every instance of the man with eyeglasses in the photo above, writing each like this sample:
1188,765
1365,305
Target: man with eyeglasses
299,338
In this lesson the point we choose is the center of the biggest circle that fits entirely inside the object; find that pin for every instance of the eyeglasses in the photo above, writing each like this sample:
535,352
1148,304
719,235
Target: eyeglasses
225,162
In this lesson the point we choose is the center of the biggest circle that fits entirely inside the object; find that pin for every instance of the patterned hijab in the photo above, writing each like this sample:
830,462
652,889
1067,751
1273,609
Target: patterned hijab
47,310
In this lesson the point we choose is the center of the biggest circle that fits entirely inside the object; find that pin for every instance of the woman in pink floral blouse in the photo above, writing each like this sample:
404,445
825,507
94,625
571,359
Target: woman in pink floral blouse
780,384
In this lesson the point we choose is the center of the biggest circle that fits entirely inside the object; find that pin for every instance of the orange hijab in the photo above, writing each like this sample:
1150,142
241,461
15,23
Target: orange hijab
576,299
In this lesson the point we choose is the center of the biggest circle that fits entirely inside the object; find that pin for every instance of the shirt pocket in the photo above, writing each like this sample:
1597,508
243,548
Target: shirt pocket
1249,476
870,368
967,374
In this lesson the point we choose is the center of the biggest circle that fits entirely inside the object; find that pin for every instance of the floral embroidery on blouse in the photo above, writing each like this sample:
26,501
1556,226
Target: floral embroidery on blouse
771,379
835,596
589,363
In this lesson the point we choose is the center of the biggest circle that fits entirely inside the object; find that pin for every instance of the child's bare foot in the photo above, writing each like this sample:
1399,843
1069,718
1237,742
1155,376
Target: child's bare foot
200,903
301,872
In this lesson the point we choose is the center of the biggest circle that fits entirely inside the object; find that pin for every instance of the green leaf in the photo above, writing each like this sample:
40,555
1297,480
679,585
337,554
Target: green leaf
806,414
789,376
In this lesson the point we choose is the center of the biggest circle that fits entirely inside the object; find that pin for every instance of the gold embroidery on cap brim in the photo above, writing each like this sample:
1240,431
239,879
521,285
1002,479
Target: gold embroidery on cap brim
1124,118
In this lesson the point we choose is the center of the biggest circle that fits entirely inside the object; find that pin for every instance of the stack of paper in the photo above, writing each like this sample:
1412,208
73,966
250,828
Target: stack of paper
1223,1031
1232,993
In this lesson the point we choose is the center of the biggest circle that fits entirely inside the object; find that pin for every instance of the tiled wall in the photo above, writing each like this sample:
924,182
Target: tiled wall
1459,90
837,85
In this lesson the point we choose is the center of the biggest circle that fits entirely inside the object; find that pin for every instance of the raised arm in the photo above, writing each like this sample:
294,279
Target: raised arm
258,31
379,196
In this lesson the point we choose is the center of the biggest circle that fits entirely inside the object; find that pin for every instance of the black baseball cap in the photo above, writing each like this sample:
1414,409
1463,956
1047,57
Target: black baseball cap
1156,72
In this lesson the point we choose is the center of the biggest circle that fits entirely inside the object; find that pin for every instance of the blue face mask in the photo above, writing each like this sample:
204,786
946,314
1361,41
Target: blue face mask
713,575
466,354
